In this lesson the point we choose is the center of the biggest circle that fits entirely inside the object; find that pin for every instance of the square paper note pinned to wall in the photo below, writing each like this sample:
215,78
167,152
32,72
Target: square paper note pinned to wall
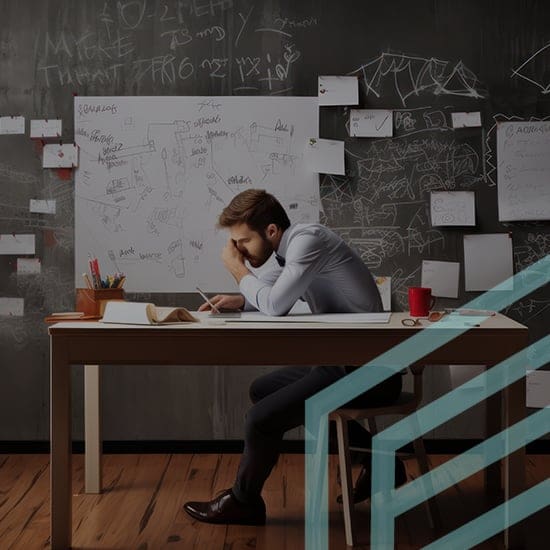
325,156
452,208
60,156
441,277
488,261
338,90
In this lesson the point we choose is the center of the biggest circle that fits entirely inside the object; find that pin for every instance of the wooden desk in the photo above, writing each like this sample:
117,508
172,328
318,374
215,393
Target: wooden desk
95,344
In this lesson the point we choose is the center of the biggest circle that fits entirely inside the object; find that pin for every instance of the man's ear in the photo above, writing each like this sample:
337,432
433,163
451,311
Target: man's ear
271,231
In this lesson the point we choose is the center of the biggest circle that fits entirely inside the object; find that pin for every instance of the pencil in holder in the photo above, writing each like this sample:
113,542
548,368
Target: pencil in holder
92,301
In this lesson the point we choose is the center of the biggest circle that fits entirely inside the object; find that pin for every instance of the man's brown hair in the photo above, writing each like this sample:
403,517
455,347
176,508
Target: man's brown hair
257,209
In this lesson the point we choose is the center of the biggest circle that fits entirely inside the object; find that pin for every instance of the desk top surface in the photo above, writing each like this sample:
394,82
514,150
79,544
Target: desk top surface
495,322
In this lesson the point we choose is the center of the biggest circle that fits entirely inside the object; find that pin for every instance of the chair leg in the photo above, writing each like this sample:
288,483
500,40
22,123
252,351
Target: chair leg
347,483
372,425
431,505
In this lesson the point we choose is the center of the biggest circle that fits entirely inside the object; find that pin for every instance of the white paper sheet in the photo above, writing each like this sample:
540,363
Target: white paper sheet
338,90
43,128
12,307
60,156
325,156
523,170
453,208
257,317
16,244
538,389
441,277
466,120
488,261
28,266
12,124
371,123
384,287
42,206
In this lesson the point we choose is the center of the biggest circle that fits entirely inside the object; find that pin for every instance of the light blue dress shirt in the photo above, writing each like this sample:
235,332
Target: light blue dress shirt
320,268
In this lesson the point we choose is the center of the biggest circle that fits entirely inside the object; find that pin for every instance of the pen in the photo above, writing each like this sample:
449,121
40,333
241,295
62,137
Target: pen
87,280
207,300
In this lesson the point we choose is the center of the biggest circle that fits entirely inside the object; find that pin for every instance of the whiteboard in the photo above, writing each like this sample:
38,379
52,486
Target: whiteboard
523,174
156,172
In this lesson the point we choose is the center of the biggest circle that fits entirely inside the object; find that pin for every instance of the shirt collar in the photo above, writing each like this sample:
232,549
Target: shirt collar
283,244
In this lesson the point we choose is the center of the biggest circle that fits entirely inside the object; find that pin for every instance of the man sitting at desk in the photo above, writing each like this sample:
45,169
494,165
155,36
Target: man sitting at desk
318,267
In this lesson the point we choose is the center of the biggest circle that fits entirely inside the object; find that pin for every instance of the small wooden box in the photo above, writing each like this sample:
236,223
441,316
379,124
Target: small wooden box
92,301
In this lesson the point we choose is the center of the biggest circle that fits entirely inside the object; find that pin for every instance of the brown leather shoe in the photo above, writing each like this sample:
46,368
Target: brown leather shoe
363,484
225,508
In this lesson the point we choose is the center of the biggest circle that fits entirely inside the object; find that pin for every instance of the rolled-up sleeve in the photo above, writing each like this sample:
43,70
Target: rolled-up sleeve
305,257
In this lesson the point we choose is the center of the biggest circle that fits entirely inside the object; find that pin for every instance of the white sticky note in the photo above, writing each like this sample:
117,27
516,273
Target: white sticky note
12,124
441,277
453,208
16,244
46,128
338,90
28,266
488,261
12,307
384,287
60,156
371,123
538,388
325,156
466,120
42,206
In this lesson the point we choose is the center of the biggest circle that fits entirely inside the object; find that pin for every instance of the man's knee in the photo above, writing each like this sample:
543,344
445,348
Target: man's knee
254,390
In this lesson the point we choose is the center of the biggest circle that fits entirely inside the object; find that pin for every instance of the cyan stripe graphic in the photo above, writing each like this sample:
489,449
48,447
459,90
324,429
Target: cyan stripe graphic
401,356
490,523
386,506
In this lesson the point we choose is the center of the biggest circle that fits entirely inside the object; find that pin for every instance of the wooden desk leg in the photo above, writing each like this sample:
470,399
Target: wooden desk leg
60,447
514,463
493,425
92,429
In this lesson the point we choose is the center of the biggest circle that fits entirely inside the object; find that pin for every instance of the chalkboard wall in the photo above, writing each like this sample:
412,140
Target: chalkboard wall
423,59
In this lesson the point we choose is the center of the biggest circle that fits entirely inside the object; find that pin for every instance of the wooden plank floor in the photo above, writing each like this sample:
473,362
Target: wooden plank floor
141,507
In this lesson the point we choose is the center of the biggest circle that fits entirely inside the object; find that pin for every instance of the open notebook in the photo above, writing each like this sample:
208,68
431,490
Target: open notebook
142,313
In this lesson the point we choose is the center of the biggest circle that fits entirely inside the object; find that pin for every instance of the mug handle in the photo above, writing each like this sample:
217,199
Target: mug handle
432,302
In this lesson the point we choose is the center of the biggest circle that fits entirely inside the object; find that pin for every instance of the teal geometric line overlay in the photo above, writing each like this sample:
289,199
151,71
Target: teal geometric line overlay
490,523
475,459
385,507
409,351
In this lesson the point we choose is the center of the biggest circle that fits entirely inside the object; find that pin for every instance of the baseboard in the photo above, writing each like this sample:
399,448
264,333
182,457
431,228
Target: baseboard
200,446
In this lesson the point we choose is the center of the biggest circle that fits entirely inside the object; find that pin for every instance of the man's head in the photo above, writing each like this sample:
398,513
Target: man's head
256,221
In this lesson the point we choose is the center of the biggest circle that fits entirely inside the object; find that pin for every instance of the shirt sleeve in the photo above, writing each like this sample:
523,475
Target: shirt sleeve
305,257
267,276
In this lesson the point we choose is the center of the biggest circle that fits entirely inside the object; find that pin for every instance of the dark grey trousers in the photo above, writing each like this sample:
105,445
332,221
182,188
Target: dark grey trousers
279,405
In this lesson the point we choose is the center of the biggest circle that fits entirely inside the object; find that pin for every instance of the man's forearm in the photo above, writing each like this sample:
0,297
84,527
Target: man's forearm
239,271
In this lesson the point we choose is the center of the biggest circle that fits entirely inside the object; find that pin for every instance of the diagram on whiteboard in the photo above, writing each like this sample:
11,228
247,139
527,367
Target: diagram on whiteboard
155,173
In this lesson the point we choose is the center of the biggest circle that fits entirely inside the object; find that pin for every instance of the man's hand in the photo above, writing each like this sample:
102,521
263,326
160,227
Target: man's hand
234,261
225,301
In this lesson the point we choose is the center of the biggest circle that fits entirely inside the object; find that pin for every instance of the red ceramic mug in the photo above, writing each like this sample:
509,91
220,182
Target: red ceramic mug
420,301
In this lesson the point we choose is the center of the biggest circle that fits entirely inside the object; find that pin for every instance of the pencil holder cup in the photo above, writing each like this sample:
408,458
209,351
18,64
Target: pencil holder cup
92,301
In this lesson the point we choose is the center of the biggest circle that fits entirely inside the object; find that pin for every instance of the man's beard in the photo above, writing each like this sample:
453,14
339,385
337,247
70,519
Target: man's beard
265,253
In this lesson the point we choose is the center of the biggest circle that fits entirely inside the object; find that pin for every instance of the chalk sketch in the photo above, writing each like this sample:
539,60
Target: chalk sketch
413,75
523,170
528,69
155,173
